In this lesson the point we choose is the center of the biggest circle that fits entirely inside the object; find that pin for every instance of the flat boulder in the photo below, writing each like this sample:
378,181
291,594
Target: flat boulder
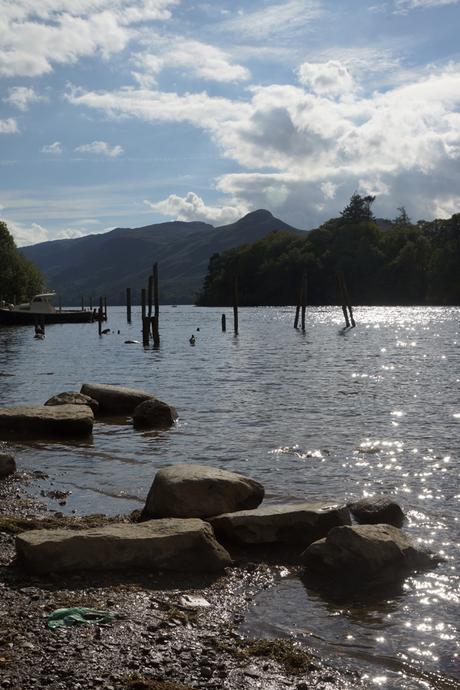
178,545
7,465
377,510
115,399
73,398
365,551
154,413
290,523
40,420
188,490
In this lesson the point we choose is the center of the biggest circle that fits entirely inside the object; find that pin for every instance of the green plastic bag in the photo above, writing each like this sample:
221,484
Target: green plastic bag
79,616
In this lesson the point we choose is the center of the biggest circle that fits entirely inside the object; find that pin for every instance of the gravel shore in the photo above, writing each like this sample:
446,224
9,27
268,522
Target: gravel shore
162,641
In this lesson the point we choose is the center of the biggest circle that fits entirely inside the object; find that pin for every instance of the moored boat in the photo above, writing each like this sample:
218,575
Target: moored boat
40,310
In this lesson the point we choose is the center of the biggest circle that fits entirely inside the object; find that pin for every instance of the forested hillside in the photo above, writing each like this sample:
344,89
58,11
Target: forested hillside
19,278
385,263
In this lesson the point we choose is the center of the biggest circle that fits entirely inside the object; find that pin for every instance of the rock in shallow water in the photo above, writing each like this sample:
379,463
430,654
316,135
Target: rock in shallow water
188,490
42,421
365,550
154,414
7,465
290,523
377,510
115,399
179,545
73,398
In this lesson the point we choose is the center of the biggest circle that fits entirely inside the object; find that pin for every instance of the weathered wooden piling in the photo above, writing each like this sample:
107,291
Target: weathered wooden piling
128,305
224,323
156,302
303,299
145,320
105,308
83,304
235,304
100,316
344,297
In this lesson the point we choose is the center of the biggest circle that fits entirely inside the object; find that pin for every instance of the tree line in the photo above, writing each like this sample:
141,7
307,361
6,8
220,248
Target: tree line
392,262
19,278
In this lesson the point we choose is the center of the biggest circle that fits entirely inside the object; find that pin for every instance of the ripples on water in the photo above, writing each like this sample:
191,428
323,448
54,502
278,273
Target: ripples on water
327,415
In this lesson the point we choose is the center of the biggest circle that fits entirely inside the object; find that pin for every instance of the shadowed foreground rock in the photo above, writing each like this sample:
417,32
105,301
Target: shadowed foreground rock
295,523
73,398
365,550
7,465
188,490
115,399
377,510
154,413
179,545
40,420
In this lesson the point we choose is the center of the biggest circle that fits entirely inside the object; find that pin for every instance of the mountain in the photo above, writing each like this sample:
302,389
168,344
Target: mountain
108,263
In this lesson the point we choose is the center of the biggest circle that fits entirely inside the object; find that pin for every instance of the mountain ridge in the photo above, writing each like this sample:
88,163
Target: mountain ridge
108,263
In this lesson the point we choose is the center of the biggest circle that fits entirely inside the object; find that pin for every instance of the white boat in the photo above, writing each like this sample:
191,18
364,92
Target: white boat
40,310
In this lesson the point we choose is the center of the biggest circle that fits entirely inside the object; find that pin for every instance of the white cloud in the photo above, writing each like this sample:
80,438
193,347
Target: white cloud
100,148
192,207
330,78
276,18
21,96
196,58
70,233
35,35
329,189
27,234
404,6
9,126
55,149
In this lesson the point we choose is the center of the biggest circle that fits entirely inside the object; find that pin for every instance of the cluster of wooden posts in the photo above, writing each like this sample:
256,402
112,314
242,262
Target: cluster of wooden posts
150,309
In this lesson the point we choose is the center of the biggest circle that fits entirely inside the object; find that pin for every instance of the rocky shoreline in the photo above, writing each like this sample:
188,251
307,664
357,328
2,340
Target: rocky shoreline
176,632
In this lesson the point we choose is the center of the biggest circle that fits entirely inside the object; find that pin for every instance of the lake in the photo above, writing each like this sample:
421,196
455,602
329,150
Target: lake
327,415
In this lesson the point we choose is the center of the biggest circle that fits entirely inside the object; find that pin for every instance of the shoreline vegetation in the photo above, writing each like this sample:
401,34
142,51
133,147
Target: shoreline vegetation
386,263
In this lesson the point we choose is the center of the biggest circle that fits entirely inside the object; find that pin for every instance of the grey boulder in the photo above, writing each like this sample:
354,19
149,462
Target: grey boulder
188,490
178,545
377,510
115,399
7,465
365,550
291,523
73,398
154,413
43,421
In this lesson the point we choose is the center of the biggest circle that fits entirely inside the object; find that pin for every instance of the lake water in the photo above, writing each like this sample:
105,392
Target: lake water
326,415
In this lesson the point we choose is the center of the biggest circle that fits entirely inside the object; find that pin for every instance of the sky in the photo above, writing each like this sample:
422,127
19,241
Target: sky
124,113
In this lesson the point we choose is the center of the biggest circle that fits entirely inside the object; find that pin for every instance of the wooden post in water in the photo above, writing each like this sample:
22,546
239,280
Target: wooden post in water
105,308
347,300
303,298
224,323
156,302
342,296
100,316
83,304
235,304
128,305
145,322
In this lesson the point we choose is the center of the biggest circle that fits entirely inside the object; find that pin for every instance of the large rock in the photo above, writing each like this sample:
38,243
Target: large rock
364,551
301,523
115,399
377,510
188,490
180,545
7,465
39,420
154,413
73,398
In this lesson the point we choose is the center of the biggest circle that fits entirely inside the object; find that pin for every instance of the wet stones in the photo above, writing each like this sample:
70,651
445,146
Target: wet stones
115,400
154,413
377,510
43,421
189,490
365,551
7,465
300,524
73,398
179,545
